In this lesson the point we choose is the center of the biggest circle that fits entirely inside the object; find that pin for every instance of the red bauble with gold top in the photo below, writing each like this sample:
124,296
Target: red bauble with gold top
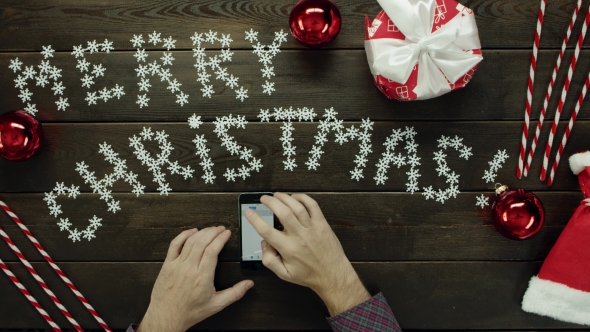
517,214
315,23
20,135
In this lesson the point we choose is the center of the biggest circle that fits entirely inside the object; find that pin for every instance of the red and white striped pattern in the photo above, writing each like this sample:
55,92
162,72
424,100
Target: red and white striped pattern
54,266
529,95
550,87
566,86
42,283
29,297
568,130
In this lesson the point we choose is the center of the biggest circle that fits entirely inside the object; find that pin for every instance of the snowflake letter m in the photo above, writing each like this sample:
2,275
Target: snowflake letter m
46,73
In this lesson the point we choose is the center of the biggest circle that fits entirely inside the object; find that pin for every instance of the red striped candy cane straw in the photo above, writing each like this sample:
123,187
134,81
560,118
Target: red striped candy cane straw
550,87
29,297
42,283
529,95
54,266
566,87
568,130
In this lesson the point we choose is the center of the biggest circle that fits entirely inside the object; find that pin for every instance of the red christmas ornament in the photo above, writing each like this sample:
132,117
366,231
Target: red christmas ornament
315,23
20,135
517,214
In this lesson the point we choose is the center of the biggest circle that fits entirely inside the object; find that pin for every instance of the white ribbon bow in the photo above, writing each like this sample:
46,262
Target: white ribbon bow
439,55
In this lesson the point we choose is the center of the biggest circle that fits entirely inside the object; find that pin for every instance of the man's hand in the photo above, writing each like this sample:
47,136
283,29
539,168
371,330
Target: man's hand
308,252
184,294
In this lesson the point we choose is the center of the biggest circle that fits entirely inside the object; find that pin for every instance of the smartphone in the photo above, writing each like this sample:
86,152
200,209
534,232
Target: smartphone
250,240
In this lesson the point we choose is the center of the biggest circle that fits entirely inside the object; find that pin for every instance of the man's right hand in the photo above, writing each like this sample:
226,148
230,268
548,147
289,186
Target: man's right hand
308,252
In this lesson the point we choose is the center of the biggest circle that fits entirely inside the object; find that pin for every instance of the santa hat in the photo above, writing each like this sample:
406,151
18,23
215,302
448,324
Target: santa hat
562,288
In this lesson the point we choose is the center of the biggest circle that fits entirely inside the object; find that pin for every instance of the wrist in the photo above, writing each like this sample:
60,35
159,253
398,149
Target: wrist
155,320
343,292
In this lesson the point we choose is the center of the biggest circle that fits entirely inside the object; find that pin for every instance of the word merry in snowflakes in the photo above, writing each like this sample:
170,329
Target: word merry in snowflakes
206,66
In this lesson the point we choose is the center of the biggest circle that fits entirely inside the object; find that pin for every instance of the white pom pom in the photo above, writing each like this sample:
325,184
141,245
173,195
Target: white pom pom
579,161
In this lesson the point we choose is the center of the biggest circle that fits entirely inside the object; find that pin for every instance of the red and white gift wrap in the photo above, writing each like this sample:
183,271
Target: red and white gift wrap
561,290
421,49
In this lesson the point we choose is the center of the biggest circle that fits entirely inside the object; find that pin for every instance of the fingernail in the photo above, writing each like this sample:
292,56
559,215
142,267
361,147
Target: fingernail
277,193
222,227
250,284
264,245
226,232
249,212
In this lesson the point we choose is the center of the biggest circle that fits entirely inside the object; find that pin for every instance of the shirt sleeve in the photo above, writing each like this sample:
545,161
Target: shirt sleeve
371,315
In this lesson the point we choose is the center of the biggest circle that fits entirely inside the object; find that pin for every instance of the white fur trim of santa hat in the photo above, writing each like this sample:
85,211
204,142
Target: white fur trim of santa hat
552,299
579,161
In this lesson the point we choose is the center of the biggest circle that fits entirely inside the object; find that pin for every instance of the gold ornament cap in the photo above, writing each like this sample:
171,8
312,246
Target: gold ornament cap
500,188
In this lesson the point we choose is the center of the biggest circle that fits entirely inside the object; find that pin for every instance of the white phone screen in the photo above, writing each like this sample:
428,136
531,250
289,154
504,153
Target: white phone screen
251,250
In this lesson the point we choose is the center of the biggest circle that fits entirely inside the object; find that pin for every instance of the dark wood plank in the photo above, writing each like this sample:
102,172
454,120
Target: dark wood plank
27,26
423,295
66,144
339,79
372,227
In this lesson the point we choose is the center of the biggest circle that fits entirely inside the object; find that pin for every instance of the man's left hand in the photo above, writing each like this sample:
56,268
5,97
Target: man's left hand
184,293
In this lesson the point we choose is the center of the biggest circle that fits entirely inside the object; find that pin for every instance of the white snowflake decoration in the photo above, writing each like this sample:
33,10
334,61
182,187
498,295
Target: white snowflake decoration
42,77
390,158
268,87
97,70
482,201
499,159
266,54
15,65
144,71
155,38
452,178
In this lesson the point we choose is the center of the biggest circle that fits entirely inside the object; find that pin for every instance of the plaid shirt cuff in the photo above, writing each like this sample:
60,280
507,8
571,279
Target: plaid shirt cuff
371,315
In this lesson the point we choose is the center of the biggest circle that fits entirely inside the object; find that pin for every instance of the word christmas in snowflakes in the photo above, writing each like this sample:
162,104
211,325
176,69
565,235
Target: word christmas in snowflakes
401,150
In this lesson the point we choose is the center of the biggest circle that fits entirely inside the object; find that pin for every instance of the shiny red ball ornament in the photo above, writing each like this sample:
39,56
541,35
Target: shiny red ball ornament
20,135
315,23
517,214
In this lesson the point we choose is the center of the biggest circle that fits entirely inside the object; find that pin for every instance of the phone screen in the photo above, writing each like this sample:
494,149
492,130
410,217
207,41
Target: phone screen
251,250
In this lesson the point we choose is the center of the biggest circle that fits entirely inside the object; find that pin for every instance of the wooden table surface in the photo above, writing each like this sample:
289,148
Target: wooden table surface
441,267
